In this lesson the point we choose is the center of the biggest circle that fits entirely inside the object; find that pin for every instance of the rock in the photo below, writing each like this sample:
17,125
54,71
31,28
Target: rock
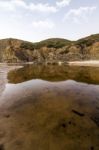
95,119
78,113
1,147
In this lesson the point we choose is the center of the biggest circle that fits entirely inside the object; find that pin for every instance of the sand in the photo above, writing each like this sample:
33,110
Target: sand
85,63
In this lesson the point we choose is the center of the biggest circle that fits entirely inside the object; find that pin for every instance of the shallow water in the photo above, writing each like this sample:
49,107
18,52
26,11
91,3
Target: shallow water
50,108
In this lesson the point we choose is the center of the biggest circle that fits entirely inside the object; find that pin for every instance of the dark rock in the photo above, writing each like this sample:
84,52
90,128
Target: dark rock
7,116
1,147
78,113
97,108
95,119
63,125
70,122
92,148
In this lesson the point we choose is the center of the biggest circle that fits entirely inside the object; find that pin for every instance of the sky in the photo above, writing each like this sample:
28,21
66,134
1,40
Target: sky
36,20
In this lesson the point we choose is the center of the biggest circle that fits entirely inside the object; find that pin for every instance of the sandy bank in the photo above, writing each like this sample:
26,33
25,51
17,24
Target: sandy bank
85,63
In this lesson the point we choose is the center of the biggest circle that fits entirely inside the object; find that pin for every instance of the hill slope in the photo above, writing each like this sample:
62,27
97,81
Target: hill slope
50,50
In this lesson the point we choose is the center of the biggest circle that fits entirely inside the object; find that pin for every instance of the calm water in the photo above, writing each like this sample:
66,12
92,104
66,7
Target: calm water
50,108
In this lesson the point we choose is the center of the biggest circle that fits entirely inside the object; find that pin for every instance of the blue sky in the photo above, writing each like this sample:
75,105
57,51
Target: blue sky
35,20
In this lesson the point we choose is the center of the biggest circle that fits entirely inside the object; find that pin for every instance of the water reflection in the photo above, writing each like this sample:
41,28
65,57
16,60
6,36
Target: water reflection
45,115
55,73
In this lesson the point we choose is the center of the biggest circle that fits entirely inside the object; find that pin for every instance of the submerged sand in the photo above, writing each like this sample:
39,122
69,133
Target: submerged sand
50,116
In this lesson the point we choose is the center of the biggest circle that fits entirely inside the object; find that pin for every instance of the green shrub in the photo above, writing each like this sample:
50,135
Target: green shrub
27,45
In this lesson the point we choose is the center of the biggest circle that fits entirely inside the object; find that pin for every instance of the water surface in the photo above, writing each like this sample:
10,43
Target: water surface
50,108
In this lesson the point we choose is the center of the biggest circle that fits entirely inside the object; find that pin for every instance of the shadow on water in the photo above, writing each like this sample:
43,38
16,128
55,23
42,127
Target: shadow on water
55,73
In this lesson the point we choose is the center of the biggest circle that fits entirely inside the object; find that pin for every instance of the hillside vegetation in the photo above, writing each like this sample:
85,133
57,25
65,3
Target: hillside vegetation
50,50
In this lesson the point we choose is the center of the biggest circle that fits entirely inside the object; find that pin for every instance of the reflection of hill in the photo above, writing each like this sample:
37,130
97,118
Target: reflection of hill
55,73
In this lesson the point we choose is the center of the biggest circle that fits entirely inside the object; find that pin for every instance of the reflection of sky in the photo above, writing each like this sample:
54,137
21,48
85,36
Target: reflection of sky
25,90
19,20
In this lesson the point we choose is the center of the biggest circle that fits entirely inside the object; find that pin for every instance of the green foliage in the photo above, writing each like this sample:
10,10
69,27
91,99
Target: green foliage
88,41
53,43
85,42
27,45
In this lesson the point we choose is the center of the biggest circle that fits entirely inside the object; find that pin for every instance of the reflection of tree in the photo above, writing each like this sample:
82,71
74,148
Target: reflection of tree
55,73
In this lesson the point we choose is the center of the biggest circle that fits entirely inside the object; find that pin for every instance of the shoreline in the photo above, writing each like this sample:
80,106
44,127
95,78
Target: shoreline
84,63
4,69
12,66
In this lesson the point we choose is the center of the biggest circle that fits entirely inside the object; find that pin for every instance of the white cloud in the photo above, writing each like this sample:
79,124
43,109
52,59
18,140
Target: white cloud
5,5
19,3
12,5
81,13
42,8
46,24
63,3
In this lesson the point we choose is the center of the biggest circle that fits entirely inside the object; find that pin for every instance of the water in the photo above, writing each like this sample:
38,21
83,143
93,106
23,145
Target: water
50,108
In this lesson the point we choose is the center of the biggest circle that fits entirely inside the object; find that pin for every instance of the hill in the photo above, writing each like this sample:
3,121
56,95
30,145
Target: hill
50,50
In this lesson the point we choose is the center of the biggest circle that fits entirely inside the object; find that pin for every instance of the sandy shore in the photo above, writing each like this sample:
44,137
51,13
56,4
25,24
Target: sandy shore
85,63
4,69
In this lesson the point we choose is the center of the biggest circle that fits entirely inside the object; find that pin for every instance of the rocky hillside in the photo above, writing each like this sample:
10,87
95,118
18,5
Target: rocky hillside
51,50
